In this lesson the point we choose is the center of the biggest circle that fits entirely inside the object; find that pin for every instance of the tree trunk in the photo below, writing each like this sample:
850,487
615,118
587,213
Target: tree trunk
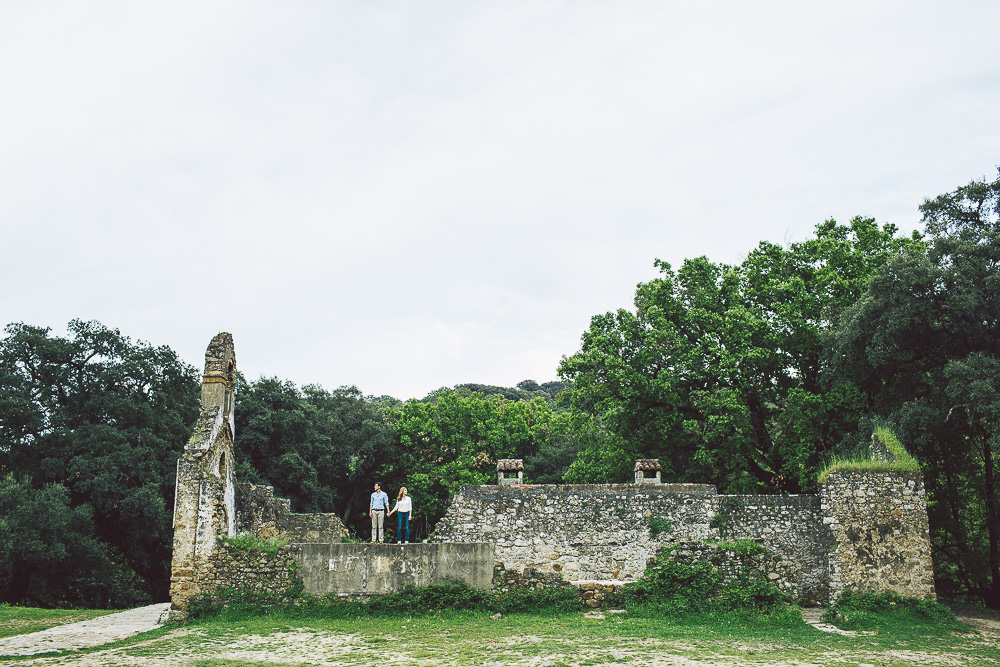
992,525
20,582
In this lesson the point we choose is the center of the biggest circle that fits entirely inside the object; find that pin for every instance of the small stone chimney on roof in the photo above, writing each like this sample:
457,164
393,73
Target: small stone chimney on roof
644,466
506,467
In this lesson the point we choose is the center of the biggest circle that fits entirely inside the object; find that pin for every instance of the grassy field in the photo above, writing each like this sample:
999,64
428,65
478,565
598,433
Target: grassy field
470,638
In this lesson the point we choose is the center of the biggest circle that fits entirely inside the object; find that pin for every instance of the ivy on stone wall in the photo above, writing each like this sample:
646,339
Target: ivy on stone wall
692,578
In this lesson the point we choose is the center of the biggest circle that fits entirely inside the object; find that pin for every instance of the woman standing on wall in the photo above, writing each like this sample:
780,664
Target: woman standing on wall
405,505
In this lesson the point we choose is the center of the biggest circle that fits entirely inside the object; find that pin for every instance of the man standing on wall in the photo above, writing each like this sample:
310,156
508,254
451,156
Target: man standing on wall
376,510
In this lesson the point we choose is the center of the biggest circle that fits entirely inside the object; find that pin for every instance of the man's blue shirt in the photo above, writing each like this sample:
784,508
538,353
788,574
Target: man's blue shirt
380,501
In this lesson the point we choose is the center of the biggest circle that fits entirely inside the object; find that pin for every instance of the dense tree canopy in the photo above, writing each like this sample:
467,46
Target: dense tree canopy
456,440
923,343
94,424
748,376
717,371
319,449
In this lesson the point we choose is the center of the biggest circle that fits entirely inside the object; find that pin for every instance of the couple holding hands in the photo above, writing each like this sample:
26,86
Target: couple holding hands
377,508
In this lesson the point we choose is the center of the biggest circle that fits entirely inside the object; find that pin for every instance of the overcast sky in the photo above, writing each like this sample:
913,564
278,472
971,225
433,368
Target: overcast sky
408,195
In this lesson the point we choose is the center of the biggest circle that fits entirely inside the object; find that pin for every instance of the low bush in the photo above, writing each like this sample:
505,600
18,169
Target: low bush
677,586
657,525
411,601
674,586
868,611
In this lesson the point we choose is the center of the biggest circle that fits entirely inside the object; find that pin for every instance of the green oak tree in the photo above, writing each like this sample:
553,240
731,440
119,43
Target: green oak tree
320,449
105,419
49,554
923,344
717,370
456,440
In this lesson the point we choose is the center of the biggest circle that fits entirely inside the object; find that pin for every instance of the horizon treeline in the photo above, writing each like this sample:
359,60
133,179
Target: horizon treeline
748,376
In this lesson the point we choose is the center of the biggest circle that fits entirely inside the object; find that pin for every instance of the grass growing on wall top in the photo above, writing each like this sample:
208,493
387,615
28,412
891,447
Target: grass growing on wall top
902,461
247,542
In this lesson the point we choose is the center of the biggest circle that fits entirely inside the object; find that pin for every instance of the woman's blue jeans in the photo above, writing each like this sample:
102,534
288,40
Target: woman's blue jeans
403,526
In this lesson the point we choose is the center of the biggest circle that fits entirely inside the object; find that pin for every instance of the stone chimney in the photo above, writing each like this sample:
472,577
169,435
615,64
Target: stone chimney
647,471
505,467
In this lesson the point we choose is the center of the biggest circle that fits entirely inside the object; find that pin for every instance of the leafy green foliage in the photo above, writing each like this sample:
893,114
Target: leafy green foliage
717,370
867,611
680,586
95,423
675,586
47,548
923,344
657,525
457,440
741,547
410,601
322,450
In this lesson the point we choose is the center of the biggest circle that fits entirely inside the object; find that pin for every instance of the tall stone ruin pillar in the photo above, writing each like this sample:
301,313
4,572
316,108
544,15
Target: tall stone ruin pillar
205,498
879,525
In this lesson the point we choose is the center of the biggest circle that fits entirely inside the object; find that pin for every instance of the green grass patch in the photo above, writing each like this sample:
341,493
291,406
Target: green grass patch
223,662
22,620
247,542
890,611
288,637
636,637
903,461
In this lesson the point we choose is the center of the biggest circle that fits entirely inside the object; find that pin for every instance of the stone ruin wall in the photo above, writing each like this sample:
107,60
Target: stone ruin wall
880,532
861,532
791,528
205,496
250,572
865,530
208,503
259,513
583,532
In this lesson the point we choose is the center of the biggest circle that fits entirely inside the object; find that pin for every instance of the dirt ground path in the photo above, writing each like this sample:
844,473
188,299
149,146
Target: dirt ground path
86,634
189,646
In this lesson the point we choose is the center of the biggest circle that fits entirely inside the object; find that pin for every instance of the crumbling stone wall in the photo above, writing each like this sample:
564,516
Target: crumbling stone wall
880,529
791,528
865,530
208,503
259,513
862,532
584,532
252,572
205,497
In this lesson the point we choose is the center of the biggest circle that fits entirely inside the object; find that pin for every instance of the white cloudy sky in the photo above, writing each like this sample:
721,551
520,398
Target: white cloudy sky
409,195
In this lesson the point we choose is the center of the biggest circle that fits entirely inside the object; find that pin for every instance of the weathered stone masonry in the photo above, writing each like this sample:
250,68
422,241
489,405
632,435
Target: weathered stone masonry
205,497
862,531
879,526
210,505
584,532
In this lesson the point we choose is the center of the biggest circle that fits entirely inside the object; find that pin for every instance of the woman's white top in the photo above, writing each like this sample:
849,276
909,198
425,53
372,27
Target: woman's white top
404,505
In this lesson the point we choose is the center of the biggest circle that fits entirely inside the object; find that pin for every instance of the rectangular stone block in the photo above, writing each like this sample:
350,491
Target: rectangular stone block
383,568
